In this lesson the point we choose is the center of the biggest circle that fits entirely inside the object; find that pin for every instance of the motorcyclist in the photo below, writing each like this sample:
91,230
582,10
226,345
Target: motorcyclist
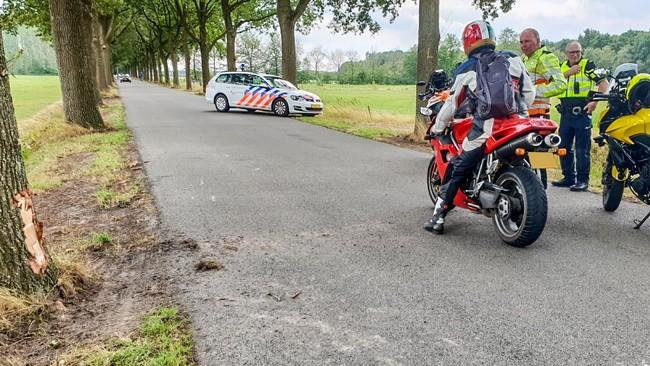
478,40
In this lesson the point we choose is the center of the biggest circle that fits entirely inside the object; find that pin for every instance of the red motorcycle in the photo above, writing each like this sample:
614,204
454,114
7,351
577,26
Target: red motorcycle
506,184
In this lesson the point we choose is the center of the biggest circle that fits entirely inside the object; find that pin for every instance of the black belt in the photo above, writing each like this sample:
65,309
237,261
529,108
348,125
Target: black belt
576,110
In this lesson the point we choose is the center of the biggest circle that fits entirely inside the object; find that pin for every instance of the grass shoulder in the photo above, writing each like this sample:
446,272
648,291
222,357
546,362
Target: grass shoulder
163,338
98,215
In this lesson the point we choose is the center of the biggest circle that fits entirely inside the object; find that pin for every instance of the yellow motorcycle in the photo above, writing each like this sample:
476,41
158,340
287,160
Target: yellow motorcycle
625,129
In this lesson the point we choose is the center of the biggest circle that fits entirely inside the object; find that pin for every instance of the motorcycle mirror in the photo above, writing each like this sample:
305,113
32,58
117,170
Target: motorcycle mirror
421,83
422,96
425,111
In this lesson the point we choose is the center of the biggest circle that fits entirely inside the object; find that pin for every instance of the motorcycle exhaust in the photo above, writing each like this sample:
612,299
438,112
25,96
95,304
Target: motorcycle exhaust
534,139
552,140
527,142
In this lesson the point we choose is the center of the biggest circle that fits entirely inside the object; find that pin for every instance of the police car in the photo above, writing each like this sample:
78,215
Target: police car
250,91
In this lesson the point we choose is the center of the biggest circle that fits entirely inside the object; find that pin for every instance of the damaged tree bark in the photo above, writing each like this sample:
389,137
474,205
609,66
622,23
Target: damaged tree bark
23,260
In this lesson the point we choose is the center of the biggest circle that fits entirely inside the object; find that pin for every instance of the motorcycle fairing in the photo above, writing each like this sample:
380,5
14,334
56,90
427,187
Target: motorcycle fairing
625,127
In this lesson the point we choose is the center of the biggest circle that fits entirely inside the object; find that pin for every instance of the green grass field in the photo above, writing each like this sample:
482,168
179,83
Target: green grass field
32,93
394,99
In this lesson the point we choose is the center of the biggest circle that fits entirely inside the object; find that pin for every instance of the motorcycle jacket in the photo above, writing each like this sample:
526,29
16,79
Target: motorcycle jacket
465,85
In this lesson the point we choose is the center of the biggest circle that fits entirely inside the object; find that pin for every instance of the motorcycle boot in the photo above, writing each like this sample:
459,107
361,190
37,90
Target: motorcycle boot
436,224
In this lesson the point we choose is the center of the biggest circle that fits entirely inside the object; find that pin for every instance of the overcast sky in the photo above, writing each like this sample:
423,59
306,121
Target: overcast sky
559,19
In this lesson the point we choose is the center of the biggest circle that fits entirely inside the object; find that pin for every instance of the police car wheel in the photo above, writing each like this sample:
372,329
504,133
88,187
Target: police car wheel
280,108
221,103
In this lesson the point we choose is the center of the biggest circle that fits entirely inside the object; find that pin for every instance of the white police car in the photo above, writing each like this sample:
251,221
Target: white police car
250,91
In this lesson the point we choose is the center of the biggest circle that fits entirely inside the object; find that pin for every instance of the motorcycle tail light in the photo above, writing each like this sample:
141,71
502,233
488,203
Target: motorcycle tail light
520,151
561,152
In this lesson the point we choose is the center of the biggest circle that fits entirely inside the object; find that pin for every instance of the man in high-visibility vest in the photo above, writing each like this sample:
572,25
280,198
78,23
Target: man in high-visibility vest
544,69
575,121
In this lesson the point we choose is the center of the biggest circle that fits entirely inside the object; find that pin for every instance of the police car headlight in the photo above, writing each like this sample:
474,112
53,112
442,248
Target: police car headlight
297,98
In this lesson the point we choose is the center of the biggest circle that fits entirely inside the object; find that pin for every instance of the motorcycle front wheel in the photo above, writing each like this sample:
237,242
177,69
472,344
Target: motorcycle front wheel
433,180
521,211
612,189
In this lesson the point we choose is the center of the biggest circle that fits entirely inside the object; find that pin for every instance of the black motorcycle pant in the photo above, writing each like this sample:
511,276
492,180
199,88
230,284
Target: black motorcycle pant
463,165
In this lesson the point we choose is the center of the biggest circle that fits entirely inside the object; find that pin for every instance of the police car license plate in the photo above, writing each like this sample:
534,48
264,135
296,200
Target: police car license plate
317,105
543,160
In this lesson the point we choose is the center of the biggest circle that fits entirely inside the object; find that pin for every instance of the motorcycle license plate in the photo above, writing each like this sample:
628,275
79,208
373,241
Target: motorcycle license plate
543,160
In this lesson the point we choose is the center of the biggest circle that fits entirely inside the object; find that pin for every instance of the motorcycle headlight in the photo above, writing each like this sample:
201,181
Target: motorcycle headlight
297,98
425,111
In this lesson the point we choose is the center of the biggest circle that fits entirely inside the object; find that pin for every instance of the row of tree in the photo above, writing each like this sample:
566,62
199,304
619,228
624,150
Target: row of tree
398,67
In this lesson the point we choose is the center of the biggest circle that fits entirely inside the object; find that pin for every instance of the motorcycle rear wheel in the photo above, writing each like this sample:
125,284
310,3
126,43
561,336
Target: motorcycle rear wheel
433,180
521,214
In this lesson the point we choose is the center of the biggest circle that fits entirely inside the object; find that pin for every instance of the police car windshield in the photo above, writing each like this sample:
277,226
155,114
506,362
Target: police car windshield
282,84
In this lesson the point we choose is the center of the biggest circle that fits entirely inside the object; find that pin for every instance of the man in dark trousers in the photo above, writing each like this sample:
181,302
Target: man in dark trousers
575,121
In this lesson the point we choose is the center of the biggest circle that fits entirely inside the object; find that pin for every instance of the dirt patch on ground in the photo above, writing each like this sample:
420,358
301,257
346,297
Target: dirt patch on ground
407,142
121,246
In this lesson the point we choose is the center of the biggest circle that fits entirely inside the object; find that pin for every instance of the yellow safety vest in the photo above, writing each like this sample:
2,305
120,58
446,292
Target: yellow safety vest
544,70
580,84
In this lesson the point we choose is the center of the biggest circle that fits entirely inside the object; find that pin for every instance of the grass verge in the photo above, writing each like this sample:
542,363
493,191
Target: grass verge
56,152
163,338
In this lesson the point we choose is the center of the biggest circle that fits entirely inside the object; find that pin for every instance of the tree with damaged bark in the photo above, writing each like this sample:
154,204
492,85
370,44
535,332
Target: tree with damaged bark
348,16
25,266
71,31
429,40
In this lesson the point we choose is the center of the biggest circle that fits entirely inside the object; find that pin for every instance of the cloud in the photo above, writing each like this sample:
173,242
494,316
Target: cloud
554,19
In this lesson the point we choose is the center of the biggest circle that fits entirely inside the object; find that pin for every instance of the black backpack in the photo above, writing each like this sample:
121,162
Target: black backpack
495,90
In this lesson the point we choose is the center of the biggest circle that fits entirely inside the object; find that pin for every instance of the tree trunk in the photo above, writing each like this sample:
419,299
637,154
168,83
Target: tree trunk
71,31
108,63
160,69
106,39
188,71
428,40
165,65
205,65
155,65
15,273
288,37
231,58
98,43
174,57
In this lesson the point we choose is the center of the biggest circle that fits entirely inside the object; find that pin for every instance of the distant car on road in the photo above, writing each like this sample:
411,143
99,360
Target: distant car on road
254,92
125,78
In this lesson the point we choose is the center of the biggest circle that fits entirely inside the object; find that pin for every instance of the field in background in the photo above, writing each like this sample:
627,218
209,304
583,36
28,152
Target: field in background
366,110
32,93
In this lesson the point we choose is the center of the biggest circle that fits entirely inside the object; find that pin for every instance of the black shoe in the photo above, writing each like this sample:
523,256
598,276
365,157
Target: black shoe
563,183
579,187
434,226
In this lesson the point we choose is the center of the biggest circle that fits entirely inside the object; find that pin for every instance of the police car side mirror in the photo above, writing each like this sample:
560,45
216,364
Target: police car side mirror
421,83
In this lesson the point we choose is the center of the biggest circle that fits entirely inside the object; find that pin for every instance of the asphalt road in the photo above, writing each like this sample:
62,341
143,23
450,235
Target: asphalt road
291,208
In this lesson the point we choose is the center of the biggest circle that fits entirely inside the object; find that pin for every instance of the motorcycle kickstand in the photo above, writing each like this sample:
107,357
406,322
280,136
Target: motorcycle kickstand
640,222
